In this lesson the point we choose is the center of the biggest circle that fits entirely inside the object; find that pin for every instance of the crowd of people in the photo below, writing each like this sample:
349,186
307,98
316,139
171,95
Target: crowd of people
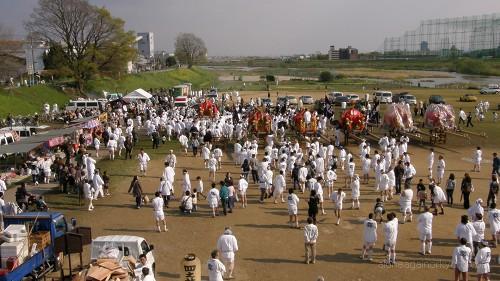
318,166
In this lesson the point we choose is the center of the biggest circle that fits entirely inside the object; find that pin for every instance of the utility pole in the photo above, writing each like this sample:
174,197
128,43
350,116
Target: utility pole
32,60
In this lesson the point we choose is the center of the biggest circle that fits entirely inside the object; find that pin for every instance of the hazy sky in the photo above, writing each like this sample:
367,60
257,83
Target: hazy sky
271,27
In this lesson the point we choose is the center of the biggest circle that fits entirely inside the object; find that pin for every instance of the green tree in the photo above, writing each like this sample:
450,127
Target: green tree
55,62
171,61
189,49
270,78
93,42
325,76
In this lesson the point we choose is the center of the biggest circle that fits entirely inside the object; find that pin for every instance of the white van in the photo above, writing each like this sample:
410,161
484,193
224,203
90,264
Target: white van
7,137
123,246
383,96
83,104
25,131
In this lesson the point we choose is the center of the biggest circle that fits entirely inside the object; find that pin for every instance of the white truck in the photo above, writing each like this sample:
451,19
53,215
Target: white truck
122,246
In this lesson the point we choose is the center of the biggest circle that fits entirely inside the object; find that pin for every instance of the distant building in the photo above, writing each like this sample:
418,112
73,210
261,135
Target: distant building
333,54
146,44
348,53
22,56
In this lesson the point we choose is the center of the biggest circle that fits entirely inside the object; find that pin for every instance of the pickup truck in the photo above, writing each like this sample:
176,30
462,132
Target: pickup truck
45,260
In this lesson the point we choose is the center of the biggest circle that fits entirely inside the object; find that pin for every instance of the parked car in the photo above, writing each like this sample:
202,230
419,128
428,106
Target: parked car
492,89
353,98
292,100
436,99
333,95
307,99
383,96
407,98
468,98
84,104
267,102
339,100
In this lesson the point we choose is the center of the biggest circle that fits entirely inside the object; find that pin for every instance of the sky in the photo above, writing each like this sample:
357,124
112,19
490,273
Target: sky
270,27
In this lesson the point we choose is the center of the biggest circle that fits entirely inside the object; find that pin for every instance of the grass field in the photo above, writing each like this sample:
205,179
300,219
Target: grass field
165,79
461,65
28,100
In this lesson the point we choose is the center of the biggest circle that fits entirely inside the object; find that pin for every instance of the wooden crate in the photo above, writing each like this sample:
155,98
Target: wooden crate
42,239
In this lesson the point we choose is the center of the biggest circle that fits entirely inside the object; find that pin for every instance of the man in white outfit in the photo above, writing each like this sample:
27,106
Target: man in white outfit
216,268
158,213
90,162
483,258
461,259
369,237
494,219
227,246
293,202
279,185
391,237
425,231
97,182
143,158
310,238
405,201
430,160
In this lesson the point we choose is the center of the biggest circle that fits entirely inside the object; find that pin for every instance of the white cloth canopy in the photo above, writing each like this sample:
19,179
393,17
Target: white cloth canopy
138,94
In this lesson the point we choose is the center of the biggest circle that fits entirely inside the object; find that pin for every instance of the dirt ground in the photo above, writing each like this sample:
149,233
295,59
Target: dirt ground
269,249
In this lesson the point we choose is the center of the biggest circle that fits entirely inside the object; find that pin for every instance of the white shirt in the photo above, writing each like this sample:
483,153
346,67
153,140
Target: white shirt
227,243
338,198
425,223
213,195
406,197
430,159
391,231
157,203
479,227
310,233
350,168
494,219
216,270
483,256
164,188
370,231
279,182
293,201
461,258
441,165
143,158
466,231
242,185
169,174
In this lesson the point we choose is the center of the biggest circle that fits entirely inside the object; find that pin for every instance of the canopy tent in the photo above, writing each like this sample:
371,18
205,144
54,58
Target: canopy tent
52,138
138,94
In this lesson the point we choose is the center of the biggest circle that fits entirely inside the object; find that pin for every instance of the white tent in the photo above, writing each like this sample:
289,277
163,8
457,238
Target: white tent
138,94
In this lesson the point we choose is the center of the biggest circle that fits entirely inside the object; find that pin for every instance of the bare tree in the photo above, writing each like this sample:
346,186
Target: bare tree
189,49
82,30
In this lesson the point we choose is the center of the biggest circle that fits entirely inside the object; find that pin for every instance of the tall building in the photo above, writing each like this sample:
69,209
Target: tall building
146,44
333,54
348,53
